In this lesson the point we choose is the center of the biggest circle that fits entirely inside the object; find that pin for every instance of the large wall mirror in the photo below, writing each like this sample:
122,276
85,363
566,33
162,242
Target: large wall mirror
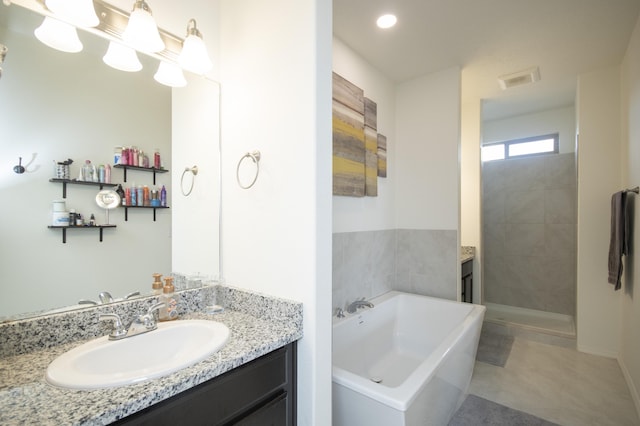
55,106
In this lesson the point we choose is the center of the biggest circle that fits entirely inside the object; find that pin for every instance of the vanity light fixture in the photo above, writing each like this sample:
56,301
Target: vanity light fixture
58,35
142,31
170,74
122,58
193,56
386,21
80,13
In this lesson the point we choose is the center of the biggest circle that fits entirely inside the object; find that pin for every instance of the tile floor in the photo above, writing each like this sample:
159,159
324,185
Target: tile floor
558,384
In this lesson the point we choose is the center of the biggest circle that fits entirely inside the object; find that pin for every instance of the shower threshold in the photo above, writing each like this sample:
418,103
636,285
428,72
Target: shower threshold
538,321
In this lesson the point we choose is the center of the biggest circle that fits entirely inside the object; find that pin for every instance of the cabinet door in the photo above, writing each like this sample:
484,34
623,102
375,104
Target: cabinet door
261,389
273,413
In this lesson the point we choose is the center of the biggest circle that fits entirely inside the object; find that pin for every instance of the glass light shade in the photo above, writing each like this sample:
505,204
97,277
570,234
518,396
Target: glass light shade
58,35
80,13
142,32
170,75
122,58
194,56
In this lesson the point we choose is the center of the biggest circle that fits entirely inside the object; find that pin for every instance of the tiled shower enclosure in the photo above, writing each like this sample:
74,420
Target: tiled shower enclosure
529,232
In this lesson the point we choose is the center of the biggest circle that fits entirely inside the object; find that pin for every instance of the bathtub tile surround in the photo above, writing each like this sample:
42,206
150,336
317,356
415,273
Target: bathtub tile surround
259,324
370,263
529,229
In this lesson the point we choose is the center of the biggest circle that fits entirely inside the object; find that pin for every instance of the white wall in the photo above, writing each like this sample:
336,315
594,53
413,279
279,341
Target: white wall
428,138
630,341
599,176
368,213
276,98
560,120
471,186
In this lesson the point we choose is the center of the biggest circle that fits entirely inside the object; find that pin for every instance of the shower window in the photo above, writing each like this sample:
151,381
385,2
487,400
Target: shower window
518,148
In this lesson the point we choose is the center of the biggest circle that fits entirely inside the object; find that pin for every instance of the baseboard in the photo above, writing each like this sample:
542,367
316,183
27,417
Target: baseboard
632,387
596,351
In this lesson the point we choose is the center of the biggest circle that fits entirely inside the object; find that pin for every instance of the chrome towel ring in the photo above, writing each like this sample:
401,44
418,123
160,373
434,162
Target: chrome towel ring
194,171
255,156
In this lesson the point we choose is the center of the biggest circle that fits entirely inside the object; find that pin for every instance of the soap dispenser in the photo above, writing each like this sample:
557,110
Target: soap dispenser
156,286
170,310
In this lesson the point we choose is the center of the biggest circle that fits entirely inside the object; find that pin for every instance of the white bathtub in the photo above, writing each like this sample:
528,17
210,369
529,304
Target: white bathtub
420,349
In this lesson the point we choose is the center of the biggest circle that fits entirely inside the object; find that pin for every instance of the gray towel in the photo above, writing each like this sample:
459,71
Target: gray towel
618,243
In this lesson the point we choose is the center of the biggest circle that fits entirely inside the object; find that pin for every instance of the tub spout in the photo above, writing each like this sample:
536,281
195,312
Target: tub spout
360,303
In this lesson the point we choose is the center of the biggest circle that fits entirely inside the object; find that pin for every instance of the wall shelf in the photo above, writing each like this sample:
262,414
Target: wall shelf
142,169
64,229
64,183
126,210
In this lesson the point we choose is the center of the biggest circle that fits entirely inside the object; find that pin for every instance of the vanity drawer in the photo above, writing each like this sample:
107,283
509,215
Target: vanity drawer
260,392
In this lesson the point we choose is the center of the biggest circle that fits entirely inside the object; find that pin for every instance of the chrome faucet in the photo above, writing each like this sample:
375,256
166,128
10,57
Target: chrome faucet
141,324
357,304
105,297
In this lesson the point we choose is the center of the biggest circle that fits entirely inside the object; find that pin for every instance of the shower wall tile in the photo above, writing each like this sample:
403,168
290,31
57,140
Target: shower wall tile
529,232
525,206
524,239
560,205
560,239
524,174
493,240
560,171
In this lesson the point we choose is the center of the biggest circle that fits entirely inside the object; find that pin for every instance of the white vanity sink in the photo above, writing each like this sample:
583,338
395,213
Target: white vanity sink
104,363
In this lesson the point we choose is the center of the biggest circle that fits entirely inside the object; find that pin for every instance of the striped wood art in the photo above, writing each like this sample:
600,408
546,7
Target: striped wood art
382,155
371,147
348,138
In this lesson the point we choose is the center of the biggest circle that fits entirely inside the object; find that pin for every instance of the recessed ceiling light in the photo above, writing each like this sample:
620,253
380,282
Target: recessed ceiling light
387,21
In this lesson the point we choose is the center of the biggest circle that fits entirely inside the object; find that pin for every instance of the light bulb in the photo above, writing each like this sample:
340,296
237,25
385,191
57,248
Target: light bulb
142,32
58,35
194,56
122,58
76,12
170,75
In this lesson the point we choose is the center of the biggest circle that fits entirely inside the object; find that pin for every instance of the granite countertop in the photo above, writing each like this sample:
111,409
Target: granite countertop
26,398
467,253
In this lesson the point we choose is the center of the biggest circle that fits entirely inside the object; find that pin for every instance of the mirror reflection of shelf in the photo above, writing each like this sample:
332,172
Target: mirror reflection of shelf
64,229
126,210
143,169
64,183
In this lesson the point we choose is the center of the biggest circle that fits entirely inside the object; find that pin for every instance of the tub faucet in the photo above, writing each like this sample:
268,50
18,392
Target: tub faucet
357,304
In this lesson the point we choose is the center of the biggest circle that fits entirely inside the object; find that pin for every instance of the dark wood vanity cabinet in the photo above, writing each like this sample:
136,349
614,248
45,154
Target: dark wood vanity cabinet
467,282
261,393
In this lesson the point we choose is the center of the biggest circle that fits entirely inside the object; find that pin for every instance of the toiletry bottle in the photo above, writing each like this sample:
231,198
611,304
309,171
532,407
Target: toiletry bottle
170,310
146,196
101,173
163,197
140,196
86,171
134,195
107,174
156,286
156,159
92,220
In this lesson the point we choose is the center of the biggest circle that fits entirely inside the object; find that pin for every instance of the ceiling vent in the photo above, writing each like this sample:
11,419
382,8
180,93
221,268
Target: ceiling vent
530,75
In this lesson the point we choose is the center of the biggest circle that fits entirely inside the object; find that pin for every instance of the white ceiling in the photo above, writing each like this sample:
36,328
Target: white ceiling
489,38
